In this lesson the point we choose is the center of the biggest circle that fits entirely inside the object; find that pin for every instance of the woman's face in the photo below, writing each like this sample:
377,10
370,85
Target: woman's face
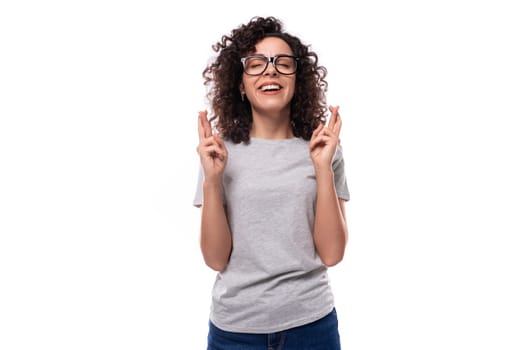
271,91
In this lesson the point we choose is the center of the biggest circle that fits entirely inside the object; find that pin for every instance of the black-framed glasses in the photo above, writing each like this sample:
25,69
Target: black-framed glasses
257,64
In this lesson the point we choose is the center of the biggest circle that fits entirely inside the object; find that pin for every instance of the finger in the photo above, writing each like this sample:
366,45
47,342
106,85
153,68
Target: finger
210,141
200,128
317,130
220,141
326,136
328,132
221,154
319,141
206,124
223,151
213,151
206,142
337,126
316,134
334,116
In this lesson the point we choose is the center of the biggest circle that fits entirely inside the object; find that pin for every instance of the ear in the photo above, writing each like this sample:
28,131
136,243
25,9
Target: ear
241,89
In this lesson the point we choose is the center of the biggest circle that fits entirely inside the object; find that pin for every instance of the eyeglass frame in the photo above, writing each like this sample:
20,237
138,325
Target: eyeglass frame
268,60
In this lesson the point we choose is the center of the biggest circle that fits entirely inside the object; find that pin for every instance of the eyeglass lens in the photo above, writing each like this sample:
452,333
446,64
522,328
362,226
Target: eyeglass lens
256,65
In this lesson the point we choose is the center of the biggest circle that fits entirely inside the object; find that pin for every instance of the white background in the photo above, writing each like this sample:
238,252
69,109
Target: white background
98,105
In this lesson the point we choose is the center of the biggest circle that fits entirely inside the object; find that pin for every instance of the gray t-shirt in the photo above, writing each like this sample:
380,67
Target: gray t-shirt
274,280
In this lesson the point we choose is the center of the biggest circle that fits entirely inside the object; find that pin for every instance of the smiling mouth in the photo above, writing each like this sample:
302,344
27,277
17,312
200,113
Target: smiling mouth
271,87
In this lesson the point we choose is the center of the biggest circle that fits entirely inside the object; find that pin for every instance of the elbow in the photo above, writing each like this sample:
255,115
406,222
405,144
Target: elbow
332,259
215,255
332,253
333,256
216,264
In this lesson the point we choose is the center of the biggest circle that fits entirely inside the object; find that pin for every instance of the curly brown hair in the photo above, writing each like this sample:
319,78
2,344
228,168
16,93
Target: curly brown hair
224,75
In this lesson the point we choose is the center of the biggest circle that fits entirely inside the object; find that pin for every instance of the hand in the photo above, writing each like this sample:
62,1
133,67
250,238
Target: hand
211,149
324,141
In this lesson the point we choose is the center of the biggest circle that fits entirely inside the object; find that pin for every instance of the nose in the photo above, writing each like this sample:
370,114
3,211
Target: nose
270,69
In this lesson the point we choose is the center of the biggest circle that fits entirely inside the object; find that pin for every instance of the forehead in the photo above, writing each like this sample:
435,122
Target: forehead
272,46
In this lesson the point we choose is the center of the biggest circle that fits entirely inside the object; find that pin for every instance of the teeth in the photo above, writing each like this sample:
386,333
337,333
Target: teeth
270,87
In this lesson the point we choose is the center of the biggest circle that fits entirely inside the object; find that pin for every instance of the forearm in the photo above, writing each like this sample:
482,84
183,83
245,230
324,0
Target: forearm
215,240
330,232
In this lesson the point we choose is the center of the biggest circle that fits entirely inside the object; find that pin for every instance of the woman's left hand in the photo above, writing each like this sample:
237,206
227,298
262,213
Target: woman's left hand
324,141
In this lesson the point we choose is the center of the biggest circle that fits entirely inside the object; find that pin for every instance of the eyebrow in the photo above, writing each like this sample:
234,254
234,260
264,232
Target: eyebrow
261,54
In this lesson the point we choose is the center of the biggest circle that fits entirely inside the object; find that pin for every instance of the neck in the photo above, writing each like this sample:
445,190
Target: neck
271,126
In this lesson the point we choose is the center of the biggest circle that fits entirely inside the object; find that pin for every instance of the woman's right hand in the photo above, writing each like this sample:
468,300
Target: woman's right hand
211,149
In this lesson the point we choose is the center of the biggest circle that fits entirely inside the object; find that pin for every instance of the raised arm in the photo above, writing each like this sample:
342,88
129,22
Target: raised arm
215,236
330,230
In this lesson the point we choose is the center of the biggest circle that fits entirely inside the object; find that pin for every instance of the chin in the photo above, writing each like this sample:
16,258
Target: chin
275,105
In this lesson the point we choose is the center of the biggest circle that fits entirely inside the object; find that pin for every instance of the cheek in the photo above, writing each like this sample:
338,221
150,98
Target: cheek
248,86
291,83
292,87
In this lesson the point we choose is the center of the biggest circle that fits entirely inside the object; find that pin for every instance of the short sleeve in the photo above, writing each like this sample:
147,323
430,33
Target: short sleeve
338,166
197,200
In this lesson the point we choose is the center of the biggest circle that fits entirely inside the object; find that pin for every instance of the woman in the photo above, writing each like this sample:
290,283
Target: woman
272,189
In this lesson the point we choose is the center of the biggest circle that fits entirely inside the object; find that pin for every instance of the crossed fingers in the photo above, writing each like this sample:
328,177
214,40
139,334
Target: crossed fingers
210,144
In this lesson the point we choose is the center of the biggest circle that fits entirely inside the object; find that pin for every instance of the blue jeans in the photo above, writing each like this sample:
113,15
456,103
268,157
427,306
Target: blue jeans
322,334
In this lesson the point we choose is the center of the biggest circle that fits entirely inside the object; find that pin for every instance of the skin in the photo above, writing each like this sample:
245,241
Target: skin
271,120
215,238
270,110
